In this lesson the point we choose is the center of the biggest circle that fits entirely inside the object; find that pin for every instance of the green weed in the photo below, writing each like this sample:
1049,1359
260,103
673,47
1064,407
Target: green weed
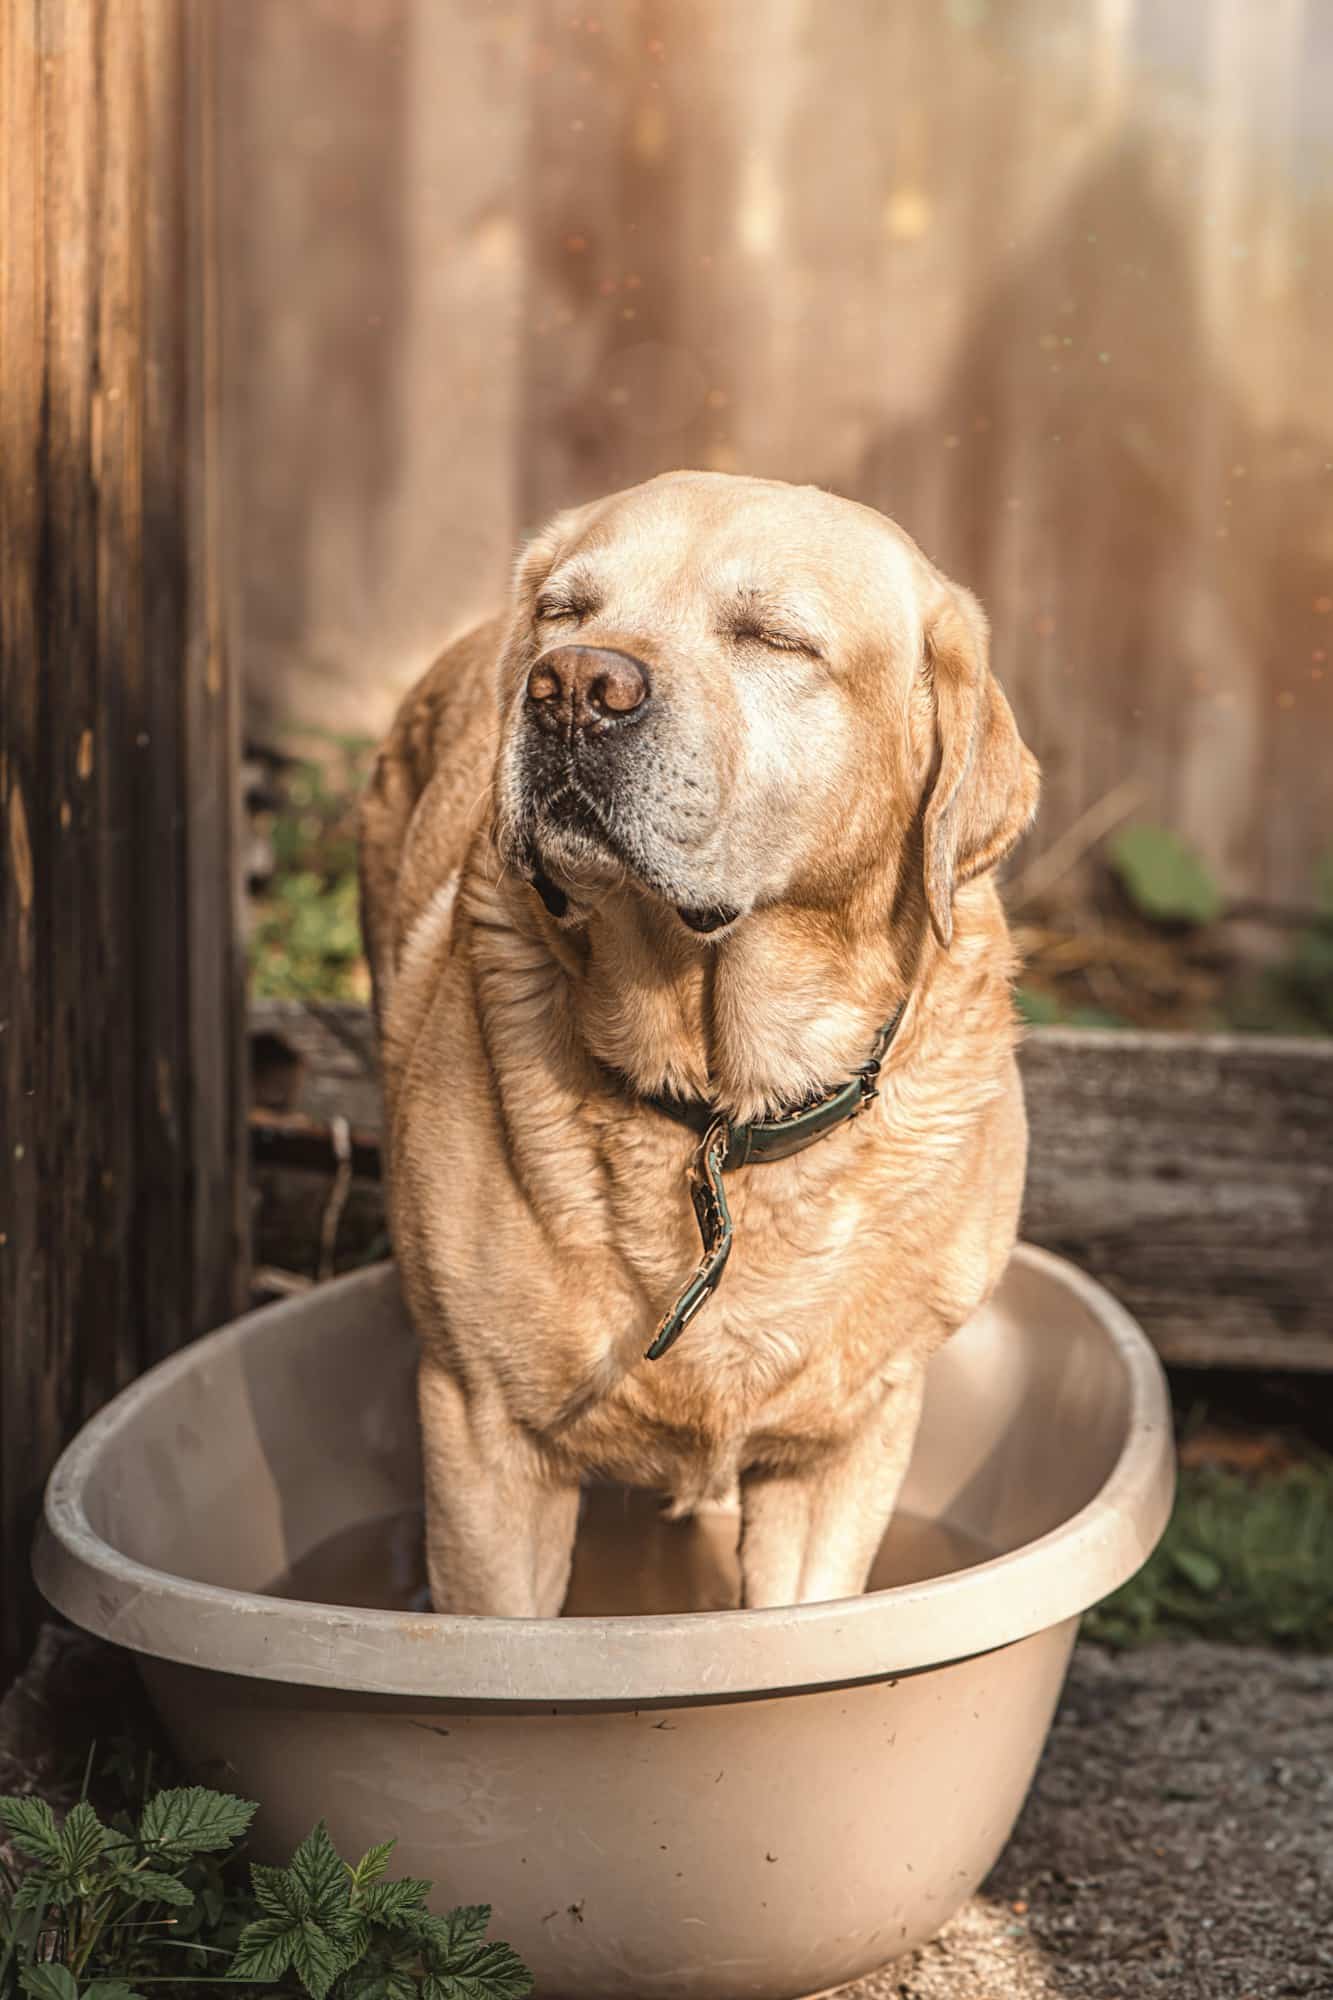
1243,1559
103,1911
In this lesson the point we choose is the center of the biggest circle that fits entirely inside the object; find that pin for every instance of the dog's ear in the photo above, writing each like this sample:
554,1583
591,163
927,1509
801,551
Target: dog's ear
986,779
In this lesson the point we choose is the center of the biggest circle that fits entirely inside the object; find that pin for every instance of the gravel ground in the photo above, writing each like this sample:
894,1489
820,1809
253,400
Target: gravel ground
1178,1841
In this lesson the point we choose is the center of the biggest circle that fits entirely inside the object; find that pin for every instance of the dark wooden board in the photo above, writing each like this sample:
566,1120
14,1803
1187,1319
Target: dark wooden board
1192,1175
121,1022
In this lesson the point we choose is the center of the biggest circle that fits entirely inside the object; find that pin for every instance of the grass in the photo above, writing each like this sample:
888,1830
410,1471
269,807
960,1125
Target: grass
1245,1558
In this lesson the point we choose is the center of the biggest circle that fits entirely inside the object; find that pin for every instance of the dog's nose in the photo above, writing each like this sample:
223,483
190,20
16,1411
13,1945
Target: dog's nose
581,687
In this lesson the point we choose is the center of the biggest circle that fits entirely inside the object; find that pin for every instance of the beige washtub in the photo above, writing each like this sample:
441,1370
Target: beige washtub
658,1801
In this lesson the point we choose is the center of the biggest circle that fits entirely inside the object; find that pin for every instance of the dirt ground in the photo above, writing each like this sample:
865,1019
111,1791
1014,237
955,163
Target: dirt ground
1178,1840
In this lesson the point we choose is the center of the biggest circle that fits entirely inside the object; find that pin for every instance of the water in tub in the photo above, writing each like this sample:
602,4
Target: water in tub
628,1559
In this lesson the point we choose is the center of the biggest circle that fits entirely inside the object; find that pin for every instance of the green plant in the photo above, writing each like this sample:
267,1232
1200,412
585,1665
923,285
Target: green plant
1244,1559
103,1911
1163,877
305,938
95,1906
345,1928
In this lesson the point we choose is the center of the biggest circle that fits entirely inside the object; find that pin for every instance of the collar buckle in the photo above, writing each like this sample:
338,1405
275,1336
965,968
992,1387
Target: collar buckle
868,1075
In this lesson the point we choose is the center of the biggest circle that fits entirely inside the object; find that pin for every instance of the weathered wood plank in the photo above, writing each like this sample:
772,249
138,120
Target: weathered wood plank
121,1036
207,689
24,1265
1192,1175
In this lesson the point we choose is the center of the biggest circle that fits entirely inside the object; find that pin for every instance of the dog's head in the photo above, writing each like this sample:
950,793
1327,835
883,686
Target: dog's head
730,692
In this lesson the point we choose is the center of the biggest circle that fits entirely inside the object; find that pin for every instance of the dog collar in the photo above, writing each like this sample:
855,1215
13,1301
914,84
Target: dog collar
726,1145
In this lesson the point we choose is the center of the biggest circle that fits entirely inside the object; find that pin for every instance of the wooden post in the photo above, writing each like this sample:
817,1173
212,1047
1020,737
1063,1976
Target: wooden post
122,1188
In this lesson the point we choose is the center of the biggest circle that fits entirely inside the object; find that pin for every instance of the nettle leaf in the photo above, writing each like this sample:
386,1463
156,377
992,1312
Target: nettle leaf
317,1870
49,1982
364,1982
34,1892
497,1973
459,1931
82,1839
278,1893
192,1820
1163,877
316,1958
395,1904
353,1936
372,1864
309,1922
461,1966
155,1887
31,1825
264,1949
379,1980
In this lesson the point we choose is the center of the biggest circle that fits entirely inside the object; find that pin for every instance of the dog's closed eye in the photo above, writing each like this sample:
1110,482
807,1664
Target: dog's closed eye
571,596
755,616
776,641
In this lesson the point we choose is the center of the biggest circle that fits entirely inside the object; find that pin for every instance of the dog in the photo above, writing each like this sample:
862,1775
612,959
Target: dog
685,856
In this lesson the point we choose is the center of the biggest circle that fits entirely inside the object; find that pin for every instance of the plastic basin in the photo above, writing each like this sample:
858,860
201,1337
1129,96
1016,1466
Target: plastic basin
707,1803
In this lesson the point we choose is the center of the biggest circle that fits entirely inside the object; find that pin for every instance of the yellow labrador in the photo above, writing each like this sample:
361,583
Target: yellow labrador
681,866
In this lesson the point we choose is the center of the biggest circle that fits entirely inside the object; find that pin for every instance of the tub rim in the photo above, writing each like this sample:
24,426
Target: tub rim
627,1661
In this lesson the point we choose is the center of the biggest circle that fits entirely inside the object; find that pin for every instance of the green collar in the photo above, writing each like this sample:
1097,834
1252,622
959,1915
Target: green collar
724,1146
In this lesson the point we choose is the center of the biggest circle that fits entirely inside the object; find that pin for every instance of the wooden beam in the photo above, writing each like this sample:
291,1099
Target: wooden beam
121,1029
1193,1175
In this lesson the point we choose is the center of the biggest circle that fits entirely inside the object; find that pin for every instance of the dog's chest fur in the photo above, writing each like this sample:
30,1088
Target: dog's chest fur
581,1232
825,1306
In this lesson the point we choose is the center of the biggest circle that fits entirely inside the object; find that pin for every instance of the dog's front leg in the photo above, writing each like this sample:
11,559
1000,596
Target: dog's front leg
500,1524
812,1535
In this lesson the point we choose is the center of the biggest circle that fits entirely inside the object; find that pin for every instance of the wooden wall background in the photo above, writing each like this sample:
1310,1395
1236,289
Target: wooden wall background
1050,280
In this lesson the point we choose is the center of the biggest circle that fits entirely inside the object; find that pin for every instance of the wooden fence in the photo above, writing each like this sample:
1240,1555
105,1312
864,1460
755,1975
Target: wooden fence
1046,280
122,1194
